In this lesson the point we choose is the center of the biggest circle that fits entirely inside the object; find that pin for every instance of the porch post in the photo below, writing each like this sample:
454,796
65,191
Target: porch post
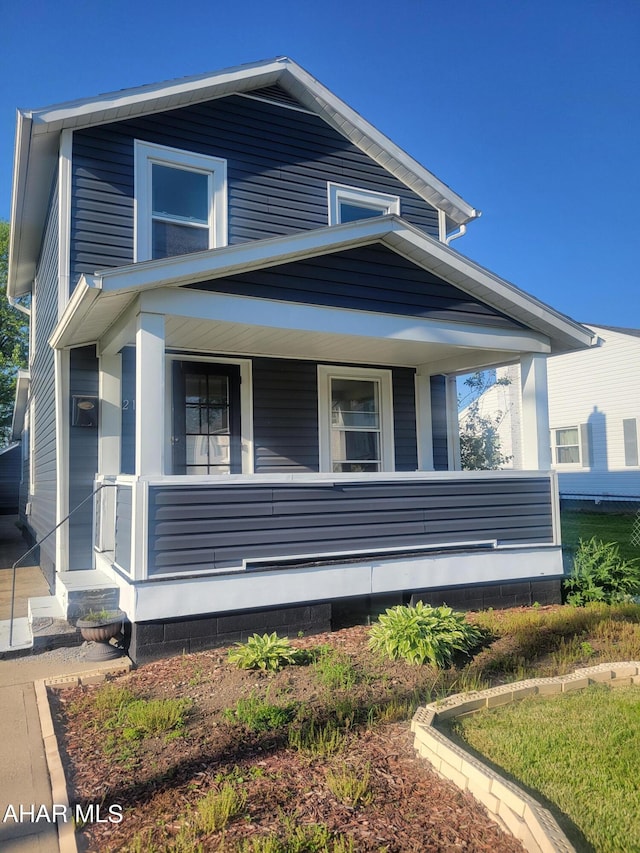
424,425
453,424
536,453
149,394
110,416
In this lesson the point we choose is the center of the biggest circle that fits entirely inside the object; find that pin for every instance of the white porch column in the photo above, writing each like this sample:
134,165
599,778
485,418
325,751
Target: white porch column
453,424
110,415
536,453
424,425
149,394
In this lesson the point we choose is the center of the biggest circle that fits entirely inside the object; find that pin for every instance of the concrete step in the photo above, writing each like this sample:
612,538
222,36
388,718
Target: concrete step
49,626
81,591
21,641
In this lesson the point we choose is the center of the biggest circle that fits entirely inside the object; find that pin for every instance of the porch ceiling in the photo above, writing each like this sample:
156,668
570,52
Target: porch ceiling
207,336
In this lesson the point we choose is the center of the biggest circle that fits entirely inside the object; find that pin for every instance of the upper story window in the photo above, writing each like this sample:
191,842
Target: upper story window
181,203
348,204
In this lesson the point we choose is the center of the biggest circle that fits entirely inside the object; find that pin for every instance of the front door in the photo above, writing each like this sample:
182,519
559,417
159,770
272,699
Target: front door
206,418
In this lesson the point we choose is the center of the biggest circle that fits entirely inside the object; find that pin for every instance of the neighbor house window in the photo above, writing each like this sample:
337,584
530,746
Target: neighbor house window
356,420
348,204
567,446
180,202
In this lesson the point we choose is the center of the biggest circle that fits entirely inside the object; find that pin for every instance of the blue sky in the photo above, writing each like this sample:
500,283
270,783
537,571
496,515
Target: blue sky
529,110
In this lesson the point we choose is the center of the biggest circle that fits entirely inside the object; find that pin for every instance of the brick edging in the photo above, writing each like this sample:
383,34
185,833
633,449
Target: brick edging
59,792
514,810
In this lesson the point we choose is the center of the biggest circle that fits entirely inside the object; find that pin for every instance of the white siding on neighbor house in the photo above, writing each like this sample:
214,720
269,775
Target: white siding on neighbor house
596,390
599,387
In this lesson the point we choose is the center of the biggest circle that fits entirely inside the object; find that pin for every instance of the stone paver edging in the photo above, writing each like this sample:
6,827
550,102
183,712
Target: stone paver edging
514,810
59,793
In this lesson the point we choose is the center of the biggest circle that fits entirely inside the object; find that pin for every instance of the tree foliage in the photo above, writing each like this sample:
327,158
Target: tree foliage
480,448
14,342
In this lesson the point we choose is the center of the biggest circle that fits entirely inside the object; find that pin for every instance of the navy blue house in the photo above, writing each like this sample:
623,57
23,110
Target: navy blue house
247,323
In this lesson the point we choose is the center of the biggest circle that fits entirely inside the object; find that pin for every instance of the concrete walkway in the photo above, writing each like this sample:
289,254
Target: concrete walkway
24,775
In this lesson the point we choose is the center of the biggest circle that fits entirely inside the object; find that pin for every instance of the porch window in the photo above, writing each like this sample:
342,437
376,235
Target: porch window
180,202
348,204
567,446
356,420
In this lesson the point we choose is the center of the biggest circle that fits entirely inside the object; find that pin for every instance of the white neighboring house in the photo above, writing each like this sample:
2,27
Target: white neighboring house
594,411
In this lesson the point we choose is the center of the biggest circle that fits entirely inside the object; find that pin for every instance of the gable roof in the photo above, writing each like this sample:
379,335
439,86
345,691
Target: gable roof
99,300
38,132
634,333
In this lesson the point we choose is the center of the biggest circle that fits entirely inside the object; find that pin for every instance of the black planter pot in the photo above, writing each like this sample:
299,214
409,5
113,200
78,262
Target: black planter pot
99,632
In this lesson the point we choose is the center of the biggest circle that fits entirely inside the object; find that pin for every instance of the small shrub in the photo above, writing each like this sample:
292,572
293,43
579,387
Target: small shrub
423,634
334,670
258,715
268,652
599,573
316,739
351,788
218,807
149,717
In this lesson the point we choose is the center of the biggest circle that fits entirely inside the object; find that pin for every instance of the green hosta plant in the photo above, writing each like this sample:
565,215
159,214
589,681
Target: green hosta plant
268,652
599,573
423,634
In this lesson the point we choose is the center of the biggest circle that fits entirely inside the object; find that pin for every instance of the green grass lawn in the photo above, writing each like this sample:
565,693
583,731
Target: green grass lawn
579,750
609,527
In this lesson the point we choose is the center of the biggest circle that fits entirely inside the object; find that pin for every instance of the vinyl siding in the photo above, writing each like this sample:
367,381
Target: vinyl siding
439,423
124,509
42,389
285,422
83,459
370,278
217,527
278,159
596,390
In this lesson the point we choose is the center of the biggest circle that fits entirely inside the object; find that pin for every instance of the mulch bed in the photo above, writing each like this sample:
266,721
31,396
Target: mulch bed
159,782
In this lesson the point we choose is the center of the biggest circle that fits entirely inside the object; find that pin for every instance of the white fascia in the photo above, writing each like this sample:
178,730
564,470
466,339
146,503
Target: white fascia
269,313
408,241
64,218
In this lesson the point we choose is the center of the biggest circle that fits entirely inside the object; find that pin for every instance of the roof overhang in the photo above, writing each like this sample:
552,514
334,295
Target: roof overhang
100,300
38,133
20,404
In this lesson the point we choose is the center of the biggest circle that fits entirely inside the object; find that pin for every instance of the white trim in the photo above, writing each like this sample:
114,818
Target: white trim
384,379
61,372
64,218
391,231
424,420
565,466
383,203
442,226
177,597
110,431
215,168
536,451
150,380
453,426
246,407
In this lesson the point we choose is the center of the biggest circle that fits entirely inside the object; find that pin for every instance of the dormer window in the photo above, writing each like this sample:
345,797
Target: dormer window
180,202
349,204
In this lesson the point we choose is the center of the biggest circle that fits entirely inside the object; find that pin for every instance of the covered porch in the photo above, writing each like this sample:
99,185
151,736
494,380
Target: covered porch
271,433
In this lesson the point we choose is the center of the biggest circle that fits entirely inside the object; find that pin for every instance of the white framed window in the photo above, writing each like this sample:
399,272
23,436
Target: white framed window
348,204
566,446
355,410
180,202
